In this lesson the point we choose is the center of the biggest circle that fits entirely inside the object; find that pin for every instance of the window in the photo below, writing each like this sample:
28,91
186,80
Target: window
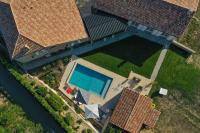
43,51
156,33
141,27
37,53
72,44
130,23
25,49
170,38
79,41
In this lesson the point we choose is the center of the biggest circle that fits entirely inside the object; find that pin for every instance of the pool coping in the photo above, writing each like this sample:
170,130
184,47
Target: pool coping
103,94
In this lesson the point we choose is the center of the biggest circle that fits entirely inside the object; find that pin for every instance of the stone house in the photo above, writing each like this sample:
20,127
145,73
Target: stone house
37,29
133,111
32,29
165,19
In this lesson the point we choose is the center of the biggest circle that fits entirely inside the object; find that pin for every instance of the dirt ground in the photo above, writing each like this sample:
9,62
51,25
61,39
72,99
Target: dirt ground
1,101
178,114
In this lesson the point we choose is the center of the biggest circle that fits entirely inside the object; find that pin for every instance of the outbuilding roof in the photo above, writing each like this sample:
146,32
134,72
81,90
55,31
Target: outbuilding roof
133,110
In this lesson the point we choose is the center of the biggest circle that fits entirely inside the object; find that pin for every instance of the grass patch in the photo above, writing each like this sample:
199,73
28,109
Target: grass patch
134,54
180,109
14,119
176,74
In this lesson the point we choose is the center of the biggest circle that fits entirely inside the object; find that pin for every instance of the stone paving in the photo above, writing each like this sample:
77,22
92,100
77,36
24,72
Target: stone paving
159,64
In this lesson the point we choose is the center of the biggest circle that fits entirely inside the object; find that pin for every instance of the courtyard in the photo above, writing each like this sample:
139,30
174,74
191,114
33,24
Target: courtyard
111,92
132,54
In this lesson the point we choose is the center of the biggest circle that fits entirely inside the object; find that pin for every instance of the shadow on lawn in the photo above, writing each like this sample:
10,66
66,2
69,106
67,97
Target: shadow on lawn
134,49
180,51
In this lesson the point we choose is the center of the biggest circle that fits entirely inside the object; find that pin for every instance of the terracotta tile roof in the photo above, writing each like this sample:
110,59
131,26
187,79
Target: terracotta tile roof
133,110
14,41
48,22
124,108
189,4
157,14
152,117
38,24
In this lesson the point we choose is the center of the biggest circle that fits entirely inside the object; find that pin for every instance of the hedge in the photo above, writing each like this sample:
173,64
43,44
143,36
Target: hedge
69,119
27,83
55,101
42,91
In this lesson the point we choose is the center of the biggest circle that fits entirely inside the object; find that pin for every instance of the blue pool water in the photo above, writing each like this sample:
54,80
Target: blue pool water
90,80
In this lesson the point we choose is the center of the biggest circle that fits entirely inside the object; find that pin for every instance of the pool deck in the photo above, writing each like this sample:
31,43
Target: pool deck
110,99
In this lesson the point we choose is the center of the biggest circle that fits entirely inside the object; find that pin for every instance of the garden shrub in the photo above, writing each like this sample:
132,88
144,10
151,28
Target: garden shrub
79,121
111,129
84,131
65,108
78,109
69,119
33,83
42,91
47,67
76,128
89,130
55,102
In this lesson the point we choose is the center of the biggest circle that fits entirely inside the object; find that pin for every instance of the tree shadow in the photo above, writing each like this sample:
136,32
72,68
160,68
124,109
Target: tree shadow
155,94
134,49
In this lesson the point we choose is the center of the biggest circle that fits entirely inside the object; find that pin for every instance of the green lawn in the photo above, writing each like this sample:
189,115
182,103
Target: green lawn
175,73
180,108
134,54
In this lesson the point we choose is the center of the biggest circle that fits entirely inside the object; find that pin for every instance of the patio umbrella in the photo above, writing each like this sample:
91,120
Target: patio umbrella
92,111
82,96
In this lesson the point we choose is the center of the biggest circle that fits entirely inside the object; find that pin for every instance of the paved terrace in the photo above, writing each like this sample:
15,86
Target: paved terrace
117,85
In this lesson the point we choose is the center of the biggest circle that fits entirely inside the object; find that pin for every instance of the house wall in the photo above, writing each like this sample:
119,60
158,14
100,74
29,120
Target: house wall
151,34
46,52
32,56
78,50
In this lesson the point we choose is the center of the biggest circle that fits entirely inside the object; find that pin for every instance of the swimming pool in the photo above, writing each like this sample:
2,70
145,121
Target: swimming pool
90,80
